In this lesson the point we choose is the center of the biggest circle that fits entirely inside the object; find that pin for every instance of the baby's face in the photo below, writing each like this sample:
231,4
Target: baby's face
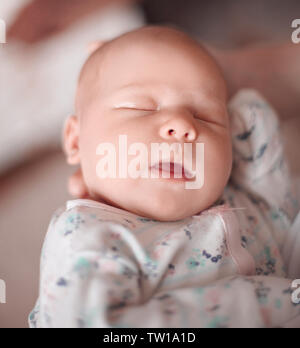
154,91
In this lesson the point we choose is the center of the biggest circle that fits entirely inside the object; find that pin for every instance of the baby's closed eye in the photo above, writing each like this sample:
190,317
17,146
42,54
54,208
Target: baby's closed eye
144,104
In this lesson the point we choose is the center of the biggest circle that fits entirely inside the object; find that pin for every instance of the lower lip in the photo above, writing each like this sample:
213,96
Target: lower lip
171,175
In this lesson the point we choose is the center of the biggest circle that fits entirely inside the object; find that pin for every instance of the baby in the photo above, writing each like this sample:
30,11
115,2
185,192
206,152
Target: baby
189,249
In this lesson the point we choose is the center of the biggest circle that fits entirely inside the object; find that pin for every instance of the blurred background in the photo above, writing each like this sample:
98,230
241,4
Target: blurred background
39,65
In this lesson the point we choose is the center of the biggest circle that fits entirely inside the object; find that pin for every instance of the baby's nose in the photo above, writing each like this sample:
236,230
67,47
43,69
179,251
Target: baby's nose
179,129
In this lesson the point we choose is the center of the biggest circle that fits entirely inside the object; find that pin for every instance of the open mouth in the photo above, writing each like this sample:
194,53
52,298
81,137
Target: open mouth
172,170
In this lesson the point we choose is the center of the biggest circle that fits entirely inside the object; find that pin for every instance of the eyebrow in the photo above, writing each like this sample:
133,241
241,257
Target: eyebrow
136,87
140,87
132,87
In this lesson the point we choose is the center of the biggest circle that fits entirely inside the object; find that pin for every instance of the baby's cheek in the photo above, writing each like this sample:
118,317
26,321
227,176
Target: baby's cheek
88,161
217,160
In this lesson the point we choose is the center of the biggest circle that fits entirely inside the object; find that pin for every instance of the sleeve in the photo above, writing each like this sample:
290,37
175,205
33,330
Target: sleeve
233,302
88,272
259,166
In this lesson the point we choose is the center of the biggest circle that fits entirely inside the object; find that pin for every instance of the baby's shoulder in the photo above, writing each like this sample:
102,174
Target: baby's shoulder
79,222
84,213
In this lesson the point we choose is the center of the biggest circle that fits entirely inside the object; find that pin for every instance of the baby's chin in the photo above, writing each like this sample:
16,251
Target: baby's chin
166,214
169,210
161,201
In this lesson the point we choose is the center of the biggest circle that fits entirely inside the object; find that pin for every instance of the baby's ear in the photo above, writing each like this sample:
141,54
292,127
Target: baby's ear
94,45
70,140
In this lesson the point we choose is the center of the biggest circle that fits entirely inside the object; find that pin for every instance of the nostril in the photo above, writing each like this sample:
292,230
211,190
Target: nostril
186,135
171,131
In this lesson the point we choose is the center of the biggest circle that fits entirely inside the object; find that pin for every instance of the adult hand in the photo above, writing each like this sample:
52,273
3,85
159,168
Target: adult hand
42,18
272,69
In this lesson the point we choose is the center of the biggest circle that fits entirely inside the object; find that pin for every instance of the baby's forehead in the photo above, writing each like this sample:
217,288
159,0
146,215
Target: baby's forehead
150,39
154,38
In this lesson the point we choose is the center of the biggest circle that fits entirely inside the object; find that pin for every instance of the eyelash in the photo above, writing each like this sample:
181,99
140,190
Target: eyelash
138,109
199,117
196,115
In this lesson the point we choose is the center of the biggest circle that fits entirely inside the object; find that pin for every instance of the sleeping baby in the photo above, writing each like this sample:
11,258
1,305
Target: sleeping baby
189,198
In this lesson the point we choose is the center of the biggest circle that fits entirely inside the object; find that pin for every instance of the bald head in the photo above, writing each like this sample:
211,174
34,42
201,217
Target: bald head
153,36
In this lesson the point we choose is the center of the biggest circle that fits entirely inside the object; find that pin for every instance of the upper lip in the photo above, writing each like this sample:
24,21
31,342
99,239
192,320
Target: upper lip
174,168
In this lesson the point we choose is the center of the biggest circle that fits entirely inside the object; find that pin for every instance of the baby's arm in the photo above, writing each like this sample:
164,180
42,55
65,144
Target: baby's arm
233,302
260,168
88,272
